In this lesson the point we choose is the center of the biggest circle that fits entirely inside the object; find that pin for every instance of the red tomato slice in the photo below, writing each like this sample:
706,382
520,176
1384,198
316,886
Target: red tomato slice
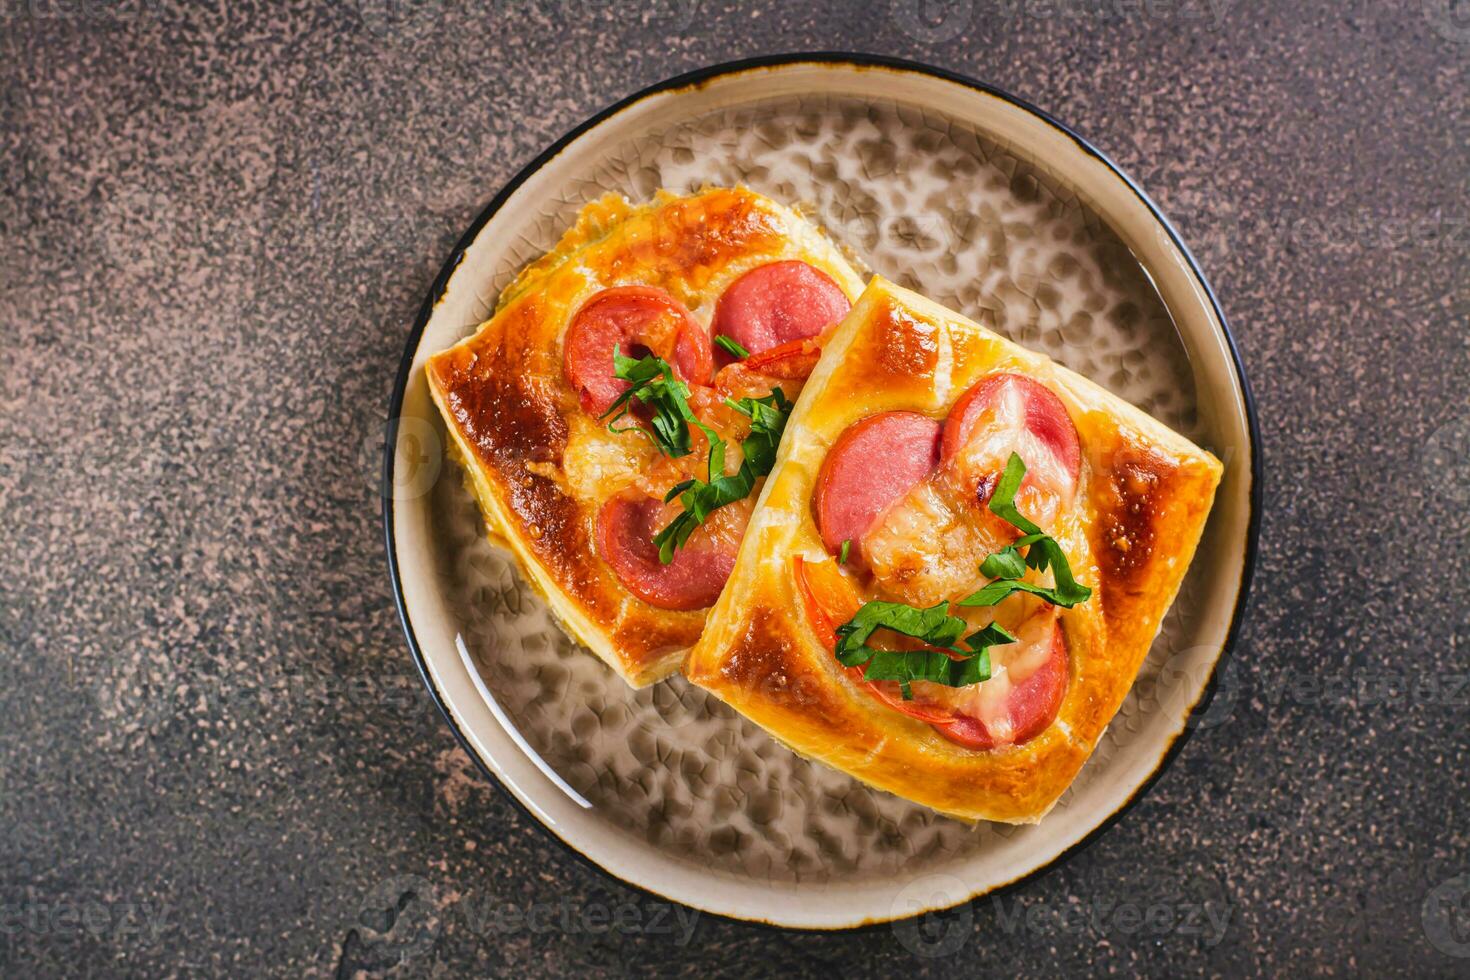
870,466
815,614
759,373
626,526
790,362
1046,418
778,303
831,600
630,318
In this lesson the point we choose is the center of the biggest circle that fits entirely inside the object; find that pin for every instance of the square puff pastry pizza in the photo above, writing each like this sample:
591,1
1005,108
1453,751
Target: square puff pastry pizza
888,494
531,403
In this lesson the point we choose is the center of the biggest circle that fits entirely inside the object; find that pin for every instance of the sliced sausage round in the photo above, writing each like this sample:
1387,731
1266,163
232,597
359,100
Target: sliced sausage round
871,465
626,526
1045,417
634,319
1031,705
778,303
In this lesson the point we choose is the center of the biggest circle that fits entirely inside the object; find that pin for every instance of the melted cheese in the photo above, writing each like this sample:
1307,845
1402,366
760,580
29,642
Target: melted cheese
928,546
596,459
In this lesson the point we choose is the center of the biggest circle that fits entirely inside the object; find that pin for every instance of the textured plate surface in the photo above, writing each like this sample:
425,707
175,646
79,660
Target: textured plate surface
703,805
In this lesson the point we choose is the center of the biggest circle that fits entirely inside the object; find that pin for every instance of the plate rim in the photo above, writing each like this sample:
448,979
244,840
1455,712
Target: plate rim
855,59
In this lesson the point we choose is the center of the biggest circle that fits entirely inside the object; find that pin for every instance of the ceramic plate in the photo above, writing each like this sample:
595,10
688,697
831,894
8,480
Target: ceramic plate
941,184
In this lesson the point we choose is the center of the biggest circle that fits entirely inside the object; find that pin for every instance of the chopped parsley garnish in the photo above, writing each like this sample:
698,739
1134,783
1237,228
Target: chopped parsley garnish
1007,566
948,663
934,625
731,346
651,380
1003,500
842,553
700,498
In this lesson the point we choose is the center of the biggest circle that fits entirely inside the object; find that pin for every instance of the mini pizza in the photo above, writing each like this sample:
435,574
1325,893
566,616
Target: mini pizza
617,415
957,566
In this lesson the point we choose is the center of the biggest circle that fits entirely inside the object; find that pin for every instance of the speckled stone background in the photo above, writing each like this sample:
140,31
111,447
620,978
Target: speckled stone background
218,223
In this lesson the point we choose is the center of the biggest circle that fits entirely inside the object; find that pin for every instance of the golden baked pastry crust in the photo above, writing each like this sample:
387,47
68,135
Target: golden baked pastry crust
538,465
1144,497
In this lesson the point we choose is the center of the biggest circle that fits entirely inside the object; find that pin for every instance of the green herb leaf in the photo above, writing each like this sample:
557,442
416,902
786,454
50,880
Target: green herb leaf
731,346
933,626
651,381
677,489
926,665
1069,591
992,635
1006,563
1002,589
1003,500
700,498
768,417
1042,552
842,554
